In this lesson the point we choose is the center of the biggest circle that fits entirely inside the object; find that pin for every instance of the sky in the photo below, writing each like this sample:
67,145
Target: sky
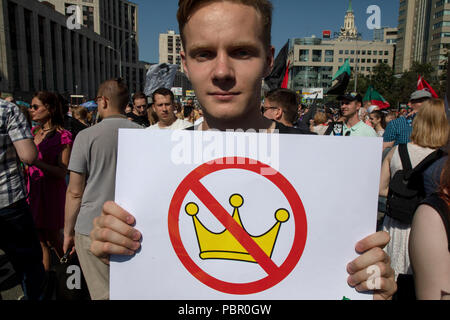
291,19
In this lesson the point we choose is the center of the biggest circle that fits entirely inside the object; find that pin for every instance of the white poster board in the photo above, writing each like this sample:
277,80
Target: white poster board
312,93
310,198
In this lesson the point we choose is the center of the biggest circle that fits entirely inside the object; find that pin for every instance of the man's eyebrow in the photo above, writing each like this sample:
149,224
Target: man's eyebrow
235,45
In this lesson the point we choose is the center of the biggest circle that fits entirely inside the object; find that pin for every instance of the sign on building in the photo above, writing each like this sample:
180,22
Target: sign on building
177,91
190,93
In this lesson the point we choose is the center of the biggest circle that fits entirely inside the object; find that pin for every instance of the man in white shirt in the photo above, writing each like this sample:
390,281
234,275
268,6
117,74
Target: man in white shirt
164,107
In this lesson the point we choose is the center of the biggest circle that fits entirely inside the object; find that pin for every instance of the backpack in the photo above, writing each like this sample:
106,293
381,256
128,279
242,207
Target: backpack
406,189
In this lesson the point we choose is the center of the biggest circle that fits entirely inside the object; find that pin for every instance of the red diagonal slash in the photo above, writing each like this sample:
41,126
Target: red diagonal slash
235,229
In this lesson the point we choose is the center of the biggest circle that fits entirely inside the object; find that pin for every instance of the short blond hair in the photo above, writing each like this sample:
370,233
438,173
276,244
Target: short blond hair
430,127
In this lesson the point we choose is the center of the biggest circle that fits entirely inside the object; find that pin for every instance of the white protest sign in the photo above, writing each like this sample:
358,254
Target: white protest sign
274,217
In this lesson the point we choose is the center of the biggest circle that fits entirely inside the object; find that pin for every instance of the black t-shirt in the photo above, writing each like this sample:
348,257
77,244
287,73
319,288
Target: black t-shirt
73,125
141,120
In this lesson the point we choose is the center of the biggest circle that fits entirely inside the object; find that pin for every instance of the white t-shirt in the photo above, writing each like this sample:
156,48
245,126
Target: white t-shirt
177,125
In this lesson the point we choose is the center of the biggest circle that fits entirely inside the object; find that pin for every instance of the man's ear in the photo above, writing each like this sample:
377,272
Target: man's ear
269,61
279,114
184,62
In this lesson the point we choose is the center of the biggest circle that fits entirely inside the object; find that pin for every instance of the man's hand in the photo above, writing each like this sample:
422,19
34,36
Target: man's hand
113,233
372,270
69,243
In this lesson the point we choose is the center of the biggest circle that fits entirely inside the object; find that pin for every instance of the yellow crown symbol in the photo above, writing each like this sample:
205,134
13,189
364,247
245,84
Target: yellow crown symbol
224,245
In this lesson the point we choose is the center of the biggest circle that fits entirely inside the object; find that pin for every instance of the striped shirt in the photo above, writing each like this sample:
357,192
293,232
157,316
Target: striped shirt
13,127
398,131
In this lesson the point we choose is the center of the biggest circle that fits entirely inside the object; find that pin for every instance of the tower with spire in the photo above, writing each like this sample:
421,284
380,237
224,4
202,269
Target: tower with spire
349,31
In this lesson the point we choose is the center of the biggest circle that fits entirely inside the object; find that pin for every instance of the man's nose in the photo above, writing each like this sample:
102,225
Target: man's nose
223,69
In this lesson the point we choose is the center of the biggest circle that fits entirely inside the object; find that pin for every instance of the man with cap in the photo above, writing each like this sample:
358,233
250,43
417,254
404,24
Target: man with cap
351,103
398,131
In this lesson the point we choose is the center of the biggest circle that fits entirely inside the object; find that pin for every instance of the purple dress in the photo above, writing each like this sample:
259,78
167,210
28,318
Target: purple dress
46,194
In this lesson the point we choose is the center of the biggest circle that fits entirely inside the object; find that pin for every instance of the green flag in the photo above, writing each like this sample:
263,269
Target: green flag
375,98
343,78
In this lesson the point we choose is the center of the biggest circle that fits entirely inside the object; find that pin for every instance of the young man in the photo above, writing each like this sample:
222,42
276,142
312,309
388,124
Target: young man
399,131
164,107
139,113
350,106
92,181
227,54
281,105
18,236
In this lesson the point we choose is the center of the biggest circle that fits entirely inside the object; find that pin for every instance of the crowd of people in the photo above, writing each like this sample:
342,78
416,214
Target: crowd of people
42,215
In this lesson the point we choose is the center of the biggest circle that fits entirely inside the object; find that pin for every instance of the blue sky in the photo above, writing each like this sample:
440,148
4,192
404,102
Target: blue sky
292,19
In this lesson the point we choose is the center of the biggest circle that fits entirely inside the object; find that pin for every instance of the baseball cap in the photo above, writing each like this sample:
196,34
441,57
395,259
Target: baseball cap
420,94
350,96
372,109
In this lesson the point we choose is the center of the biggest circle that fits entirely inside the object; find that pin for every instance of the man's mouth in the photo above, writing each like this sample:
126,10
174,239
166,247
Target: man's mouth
224,95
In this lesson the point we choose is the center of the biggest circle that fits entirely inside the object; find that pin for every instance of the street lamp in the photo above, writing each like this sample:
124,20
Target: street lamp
131,37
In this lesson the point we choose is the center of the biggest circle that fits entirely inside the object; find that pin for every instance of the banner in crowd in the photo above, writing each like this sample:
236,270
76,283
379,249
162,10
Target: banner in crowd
343,79
160,76
422,84
244,216
375,98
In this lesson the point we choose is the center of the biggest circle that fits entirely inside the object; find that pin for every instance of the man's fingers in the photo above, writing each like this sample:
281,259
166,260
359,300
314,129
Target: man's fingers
104,249
384,289
112,223
371,273
113,209
379,239
110,237
371,257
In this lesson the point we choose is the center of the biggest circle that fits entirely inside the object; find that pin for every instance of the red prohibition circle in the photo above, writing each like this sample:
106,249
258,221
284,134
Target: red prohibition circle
298,212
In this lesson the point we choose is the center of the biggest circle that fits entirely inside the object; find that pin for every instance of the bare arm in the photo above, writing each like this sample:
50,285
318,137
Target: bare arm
26,150
388,145
74,196
386,175
429,254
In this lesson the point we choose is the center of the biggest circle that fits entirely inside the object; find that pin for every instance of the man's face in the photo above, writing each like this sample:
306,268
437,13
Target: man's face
349,108
272,110
140,107
416,104
225,59
163,107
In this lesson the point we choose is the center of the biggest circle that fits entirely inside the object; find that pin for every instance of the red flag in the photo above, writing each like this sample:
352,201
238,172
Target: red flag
375,98
284,85
423,85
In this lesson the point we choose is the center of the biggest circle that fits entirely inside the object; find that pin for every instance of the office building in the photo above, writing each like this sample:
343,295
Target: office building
169,49
314,61
116,21
424,34
386,34
39,50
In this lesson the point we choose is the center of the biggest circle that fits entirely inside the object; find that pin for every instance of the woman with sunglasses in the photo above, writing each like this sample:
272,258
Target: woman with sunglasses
46,178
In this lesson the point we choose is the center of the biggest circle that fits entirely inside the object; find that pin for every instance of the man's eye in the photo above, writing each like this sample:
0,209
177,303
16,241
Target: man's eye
242,53
203,55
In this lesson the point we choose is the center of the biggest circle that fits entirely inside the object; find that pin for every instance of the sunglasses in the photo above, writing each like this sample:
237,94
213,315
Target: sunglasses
264,109
35,107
